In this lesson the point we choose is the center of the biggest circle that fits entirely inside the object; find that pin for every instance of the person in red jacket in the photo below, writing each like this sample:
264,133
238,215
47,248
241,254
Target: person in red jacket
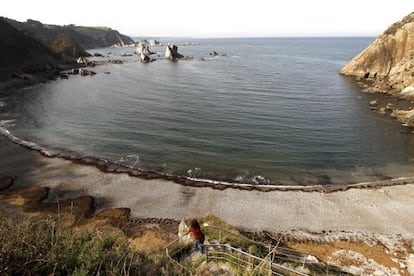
198,235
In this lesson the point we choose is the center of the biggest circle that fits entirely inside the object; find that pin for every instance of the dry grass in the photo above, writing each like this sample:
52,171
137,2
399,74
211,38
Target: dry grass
150,241
324,251
42,247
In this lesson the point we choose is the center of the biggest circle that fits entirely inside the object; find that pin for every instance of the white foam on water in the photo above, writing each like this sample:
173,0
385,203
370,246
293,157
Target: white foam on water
7,123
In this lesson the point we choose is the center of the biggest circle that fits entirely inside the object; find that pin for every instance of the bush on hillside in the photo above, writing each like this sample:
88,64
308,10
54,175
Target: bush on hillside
43,248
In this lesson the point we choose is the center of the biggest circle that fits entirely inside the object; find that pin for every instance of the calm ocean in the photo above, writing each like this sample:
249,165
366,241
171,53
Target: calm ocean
269,110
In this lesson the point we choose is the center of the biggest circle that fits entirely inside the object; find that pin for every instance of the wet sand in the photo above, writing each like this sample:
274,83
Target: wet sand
385,210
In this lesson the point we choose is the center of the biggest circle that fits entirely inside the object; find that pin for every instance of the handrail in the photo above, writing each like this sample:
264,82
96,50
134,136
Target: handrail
299,258
236,235
255,257
168,253
177,263
174,241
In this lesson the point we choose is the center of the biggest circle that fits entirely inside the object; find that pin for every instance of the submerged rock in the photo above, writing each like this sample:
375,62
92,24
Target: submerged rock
406,117
390,106
373,103
86,72
382,111
83,72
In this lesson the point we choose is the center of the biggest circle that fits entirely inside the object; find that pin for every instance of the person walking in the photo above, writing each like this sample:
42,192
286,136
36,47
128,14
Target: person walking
198,236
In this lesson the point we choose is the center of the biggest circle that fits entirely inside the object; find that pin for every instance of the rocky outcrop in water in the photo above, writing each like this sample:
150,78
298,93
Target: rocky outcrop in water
388,62
144,52
171,52
83,72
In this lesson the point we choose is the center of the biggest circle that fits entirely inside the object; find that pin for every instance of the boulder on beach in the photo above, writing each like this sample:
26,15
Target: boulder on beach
171,52
373,103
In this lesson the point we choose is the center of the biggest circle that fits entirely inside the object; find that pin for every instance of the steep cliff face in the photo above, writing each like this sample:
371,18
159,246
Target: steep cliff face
20,53
389,60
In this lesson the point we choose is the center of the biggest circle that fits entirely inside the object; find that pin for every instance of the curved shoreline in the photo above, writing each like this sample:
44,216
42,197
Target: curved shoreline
382,210
107,166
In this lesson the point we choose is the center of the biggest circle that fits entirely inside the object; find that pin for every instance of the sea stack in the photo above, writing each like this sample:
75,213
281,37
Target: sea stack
144,52
172,53
388,62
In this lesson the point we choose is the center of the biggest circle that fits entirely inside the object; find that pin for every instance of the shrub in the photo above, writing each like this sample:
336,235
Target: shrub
43,248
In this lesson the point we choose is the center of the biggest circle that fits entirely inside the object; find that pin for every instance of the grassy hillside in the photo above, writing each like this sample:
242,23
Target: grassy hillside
87,37
22,53
67,47
44,248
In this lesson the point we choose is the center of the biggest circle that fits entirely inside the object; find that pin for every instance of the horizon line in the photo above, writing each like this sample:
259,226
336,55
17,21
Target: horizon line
269,36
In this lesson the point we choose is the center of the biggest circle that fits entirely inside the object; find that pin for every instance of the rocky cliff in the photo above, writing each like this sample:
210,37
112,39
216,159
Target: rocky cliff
20,54
388,62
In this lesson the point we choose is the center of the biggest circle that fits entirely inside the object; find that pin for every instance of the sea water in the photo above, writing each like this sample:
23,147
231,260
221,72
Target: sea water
265,110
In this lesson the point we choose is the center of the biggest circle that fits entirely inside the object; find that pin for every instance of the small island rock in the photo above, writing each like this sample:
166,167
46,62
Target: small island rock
171,52
144,52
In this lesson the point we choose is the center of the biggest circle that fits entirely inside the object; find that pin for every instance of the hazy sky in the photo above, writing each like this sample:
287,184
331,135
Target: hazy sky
218,18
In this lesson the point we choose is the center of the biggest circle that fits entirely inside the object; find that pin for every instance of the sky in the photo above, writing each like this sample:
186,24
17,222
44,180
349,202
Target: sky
218,18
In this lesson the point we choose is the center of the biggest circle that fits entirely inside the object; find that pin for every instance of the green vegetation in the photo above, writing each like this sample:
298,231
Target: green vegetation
66,46
87,37
218,231
44,248
20,52
392,30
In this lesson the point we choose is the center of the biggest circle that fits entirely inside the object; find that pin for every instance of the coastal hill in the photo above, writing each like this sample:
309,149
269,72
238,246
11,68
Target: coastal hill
87,37
388,62
67,47
22,53
32,48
